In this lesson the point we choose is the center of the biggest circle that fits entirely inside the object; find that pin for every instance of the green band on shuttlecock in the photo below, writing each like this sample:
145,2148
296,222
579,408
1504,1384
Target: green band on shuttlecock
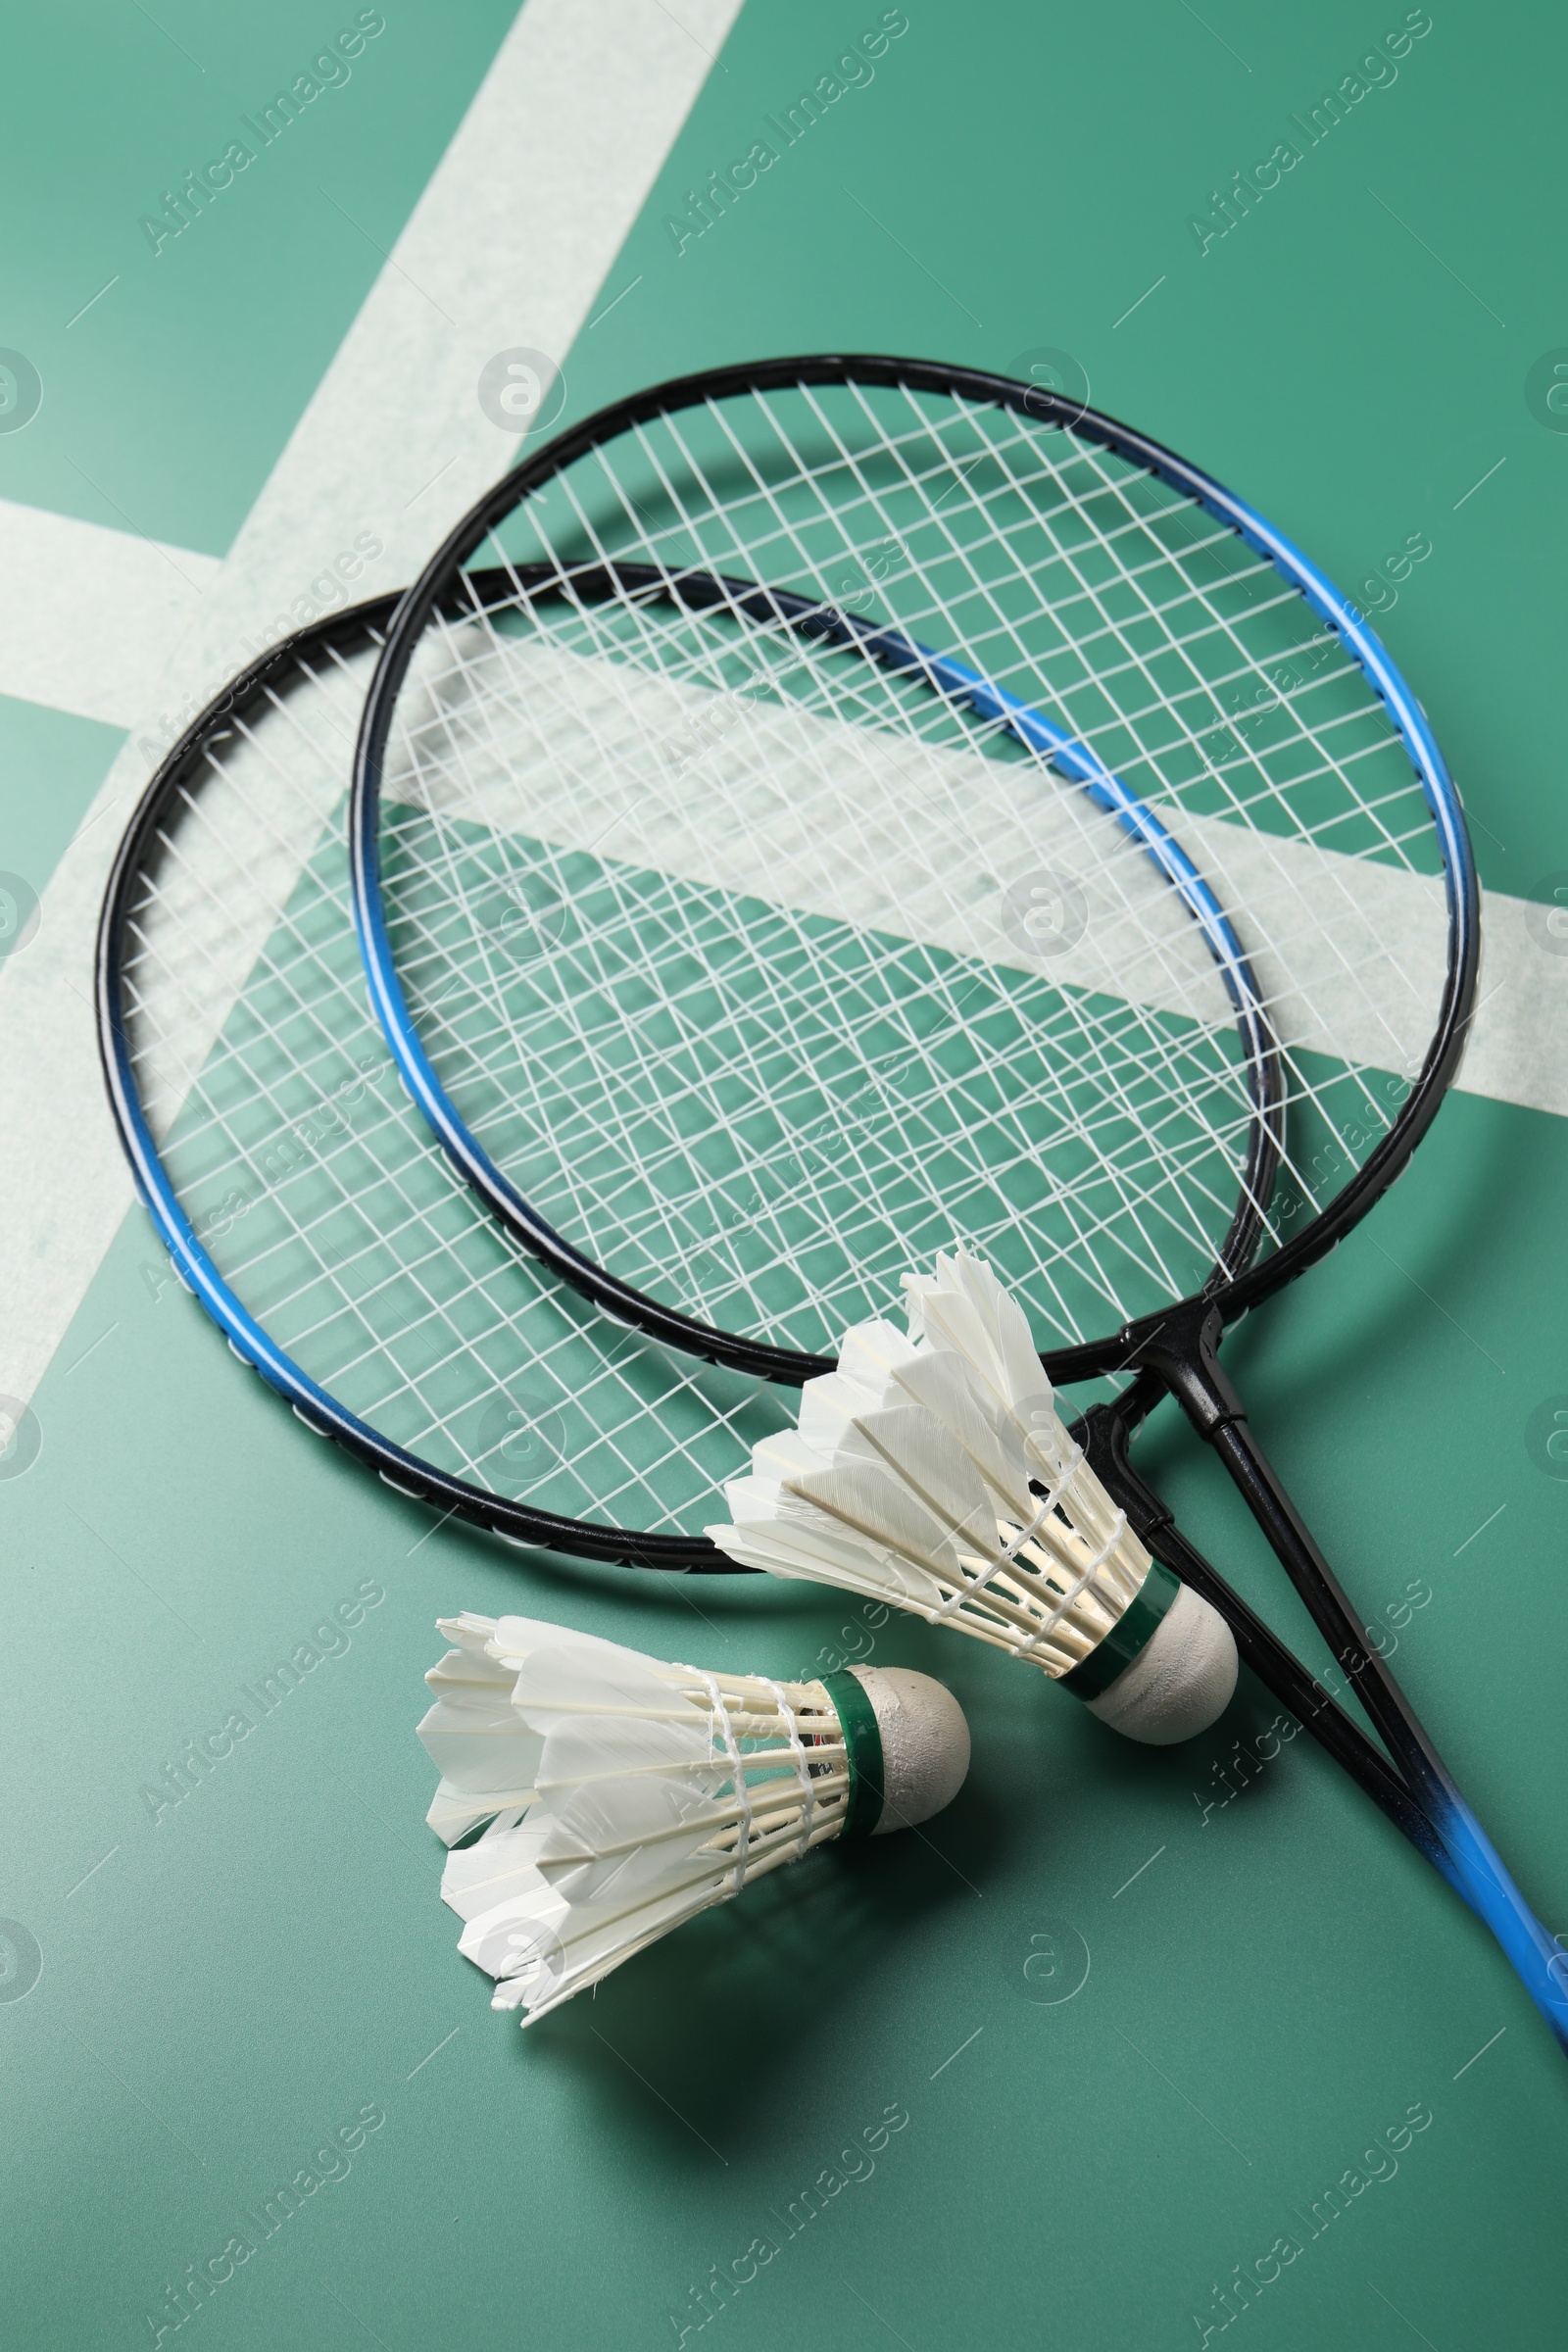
862,1743
1132,1632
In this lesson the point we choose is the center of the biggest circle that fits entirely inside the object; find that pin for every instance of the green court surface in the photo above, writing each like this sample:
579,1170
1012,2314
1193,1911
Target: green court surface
1129,2049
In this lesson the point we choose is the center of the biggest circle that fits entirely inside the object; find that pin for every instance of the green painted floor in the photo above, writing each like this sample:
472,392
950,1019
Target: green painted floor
1051,2074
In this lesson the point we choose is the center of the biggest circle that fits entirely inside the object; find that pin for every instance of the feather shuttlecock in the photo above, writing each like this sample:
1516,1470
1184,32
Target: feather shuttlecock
623,1795
933,1470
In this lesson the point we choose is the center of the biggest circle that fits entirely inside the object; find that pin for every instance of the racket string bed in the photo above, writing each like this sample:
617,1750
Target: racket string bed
1130,576
646,1193
296,1188
611,1120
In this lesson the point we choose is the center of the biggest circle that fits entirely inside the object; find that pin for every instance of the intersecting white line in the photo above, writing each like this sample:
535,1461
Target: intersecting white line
540,185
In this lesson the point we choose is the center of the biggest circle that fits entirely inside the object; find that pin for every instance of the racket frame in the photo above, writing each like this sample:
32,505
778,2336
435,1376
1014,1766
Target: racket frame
514,1521
439,588
1178,1345
523,1523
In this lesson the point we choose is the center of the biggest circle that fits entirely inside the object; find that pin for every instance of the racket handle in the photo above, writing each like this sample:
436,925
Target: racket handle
1185,1359
1488,1886
1536,1957
1460,1851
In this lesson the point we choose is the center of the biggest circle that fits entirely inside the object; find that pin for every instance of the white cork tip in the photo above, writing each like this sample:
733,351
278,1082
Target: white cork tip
1181,1681
925,1742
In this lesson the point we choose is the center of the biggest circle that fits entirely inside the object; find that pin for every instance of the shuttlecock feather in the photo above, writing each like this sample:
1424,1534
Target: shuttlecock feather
623,1795
933,1470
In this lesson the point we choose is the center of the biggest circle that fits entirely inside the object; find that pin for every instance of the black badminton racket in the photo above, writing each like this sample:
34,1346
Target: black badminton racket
303,1201
941,813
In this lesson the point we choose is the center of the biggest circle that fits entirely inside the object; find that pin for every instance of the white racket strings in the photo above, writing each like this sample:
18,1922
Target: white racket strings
314,1185
760,967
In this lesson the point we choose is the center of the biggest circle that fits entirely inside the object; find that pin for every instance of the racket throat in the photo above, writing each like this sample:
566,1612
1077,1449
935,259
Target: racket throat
1183,1352
1105,1433
1184,1355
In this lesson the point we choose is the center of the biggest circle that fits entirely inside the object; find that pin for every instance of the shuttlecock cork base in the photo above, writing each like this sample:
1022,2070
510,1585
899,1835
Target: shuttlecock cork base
623,1795
1177,1682
924,1736
933,1471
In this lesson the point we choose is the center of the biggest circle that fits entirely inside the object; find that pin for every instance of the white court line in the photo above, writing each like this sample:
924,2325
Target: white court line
87,615
513,236
1359,965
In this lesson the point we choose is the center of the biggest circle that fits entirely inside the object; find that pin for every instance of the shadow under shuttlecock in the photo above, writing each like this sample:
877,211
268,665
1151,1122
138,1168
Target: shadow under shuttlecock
1254,1764
679,2043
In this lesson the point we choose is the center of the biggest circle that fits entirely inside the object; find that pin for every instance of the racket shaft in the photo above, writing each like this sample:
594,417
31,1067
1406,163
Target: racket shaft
1103,1435
1537,1958
1318,1713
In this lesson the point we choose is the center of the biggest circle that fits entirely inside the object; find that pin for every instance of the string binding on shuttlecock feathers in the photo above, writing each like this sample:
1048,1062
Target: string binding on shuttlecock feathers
933,1470
623,1795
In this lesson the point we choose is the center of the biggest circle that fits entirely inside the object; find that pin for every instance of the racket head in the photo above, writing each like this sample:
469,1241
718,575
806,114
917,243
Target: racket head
299,1196
1113,610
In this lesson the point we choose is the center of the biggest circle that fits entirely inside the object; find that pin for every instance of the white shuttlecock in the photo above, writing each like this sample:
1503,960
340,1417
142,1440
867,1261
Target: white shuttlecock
933,1471
623,1795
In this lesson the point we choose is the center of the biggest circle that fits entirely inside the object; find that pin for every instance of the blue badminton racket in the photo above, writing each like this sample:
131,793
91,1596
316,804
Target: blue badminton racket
883,805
